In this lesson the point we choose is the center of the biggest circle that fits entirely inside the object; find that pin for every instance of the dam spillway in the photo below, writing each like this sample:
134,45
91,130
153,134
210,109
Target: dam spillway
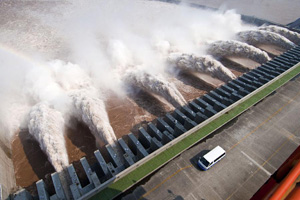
152,99
165,129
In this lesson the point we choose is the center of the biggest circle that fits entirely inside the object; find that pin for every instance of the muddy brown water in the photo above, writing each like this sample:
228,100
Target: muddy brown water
126,114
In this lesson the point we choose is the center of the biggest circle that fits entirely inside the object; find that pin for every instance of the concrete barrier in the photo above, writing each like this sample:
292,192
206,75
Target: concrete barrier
192,130
167,132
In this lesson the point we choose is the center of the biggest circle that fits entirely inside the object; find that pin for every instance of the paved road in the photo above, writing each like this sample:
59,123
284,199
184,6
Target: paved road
257,143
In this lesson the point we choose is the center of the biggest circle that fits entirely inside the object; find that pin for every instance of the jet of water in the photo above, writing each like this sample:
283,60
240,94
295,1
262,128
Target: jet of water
87,101
264,37
291,35
46,125
233,47
203,64
91,109
154,84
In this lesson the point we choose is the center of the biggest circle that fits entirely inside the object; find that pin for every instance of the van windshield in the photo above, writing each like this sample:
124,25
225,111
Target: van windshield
204,161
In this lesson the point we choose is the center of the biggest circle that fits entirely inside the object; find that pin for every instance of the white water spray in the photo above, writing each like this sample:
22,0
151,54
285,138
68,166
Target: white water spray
93,113
46,125
155,84
236,48
291,35
265,37
87,101
202,64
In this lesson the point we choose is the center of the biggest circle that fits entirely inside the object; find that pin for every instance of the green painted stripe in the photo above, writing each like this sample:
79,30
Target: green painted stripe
131,178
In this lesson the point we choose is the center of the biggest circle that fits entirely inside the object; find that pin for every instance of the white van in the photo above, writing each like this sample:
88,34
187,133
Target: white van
208,160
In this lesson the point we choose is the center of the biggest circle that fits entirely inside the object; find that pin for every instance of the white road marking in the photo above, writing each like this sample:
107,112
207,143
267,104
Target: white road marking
257,164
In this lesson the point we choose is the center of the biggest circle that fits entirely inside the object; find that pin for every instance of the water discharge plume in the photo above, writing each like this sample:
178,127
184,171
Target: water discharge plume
12,119
254,37
46,125
291,35
93,113
202,64
87,102
156,84
235,48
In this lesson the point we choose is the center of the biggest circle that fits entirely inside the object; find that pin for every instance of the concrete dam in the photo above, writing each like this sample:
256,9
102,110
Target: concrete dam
76,127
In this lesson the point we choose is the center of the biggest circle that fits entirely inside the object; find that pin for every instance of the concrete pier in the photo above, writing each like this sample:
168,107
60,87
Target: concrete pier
179,129
195,107
128,160
163,126
188,112
174,123
103,166
163,130
154,132
254,74
202,103
179,116
171,120
188,124
222,92
75,187
41,188
114,157
155,144
216,96
200,118
268,76
209,111
60,193
22,195
144,137
136,146
126,149
167,137
93,179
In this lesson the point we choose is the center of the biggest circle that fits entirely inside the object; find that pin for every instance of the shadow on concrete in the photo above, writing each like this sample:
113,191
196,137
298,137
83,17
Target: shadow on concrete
195,159
133,194
174,196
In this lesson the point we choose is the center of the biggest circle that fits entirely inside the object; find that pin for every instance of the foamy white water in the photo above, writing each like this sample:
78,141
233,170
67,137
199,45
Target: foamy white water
203,64
156,84
91,109
236,48
46,125
87,101
265,37
291,35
